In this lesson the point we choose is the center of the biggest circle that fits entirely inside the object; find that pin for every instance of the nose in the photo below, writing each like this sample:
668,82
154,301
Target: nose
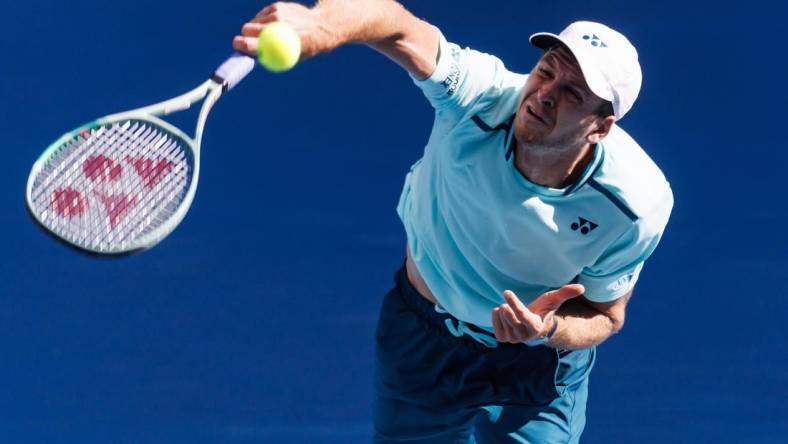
546,95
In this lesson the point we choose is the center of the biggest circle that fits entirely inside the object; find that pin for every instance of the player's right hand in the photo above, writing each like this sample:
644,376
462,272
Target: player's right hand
316,37
514,322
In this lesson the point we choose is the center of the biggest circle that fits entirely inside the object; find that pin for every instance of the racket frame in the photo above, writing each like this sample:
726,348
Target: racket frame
210,90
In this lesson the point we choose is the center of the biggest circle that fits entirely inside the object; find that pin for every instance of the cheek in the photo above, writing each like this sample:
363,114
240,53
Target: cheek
562,128
572,126
569,118
531,85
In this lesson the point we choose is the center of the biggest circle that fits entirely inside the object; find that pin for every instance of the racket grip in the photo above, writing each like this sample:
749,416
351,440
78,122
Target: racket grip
234,69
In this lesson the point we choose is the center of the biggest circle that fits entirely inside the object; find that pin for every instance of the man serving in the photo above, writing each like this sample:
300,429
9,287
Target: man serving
528,220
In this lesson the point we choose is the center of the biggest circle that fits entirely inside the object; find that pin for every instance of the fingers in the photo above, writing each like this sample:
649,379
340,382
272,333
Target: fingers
552,300
315,37
518,332
567,292
279,11
247,41
246,45
504,326
513,322
520,311
263,13
251,29
268,12
501,330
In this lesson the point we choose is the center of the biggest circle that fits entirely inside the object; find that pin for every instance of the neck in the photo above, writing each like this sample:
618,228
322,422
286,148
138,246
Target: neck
552,167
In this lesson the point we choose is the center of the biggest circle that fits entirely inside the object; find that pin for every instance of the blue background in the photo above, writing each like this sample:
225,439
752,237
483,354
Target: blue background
253,322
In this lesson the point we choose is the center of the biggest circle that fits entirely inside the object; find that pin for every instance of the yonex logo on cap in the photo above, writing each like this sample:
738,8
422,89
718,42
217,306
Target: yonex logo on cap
612,74
595,41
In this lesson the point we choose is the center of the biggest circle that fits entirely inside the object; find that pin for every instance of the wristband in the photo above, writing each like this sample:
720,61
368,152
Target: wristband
546,338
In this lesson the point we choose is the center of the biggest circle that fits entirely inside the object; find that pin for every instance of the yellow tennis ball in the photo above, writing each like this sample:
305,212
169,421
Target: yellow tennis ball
279,47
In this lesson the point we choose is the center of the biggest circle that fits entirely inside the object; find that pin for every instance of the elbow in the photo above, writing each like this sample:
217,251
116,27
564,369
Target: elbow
616,324
414,46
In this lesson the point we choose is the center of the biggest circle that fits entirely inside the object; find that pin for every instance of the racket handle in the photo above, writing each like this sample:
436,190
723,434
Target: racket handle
233,70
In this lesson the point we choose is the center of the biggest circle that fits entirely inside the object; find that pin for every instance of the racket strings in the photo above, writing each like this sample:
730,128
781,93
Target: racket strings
152,140
163,196
110,185
64,169
68,171
117,202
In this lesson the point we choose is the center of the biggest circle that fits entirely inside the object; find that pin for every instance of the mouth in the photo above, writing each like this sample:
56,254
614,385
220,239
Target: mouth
533,114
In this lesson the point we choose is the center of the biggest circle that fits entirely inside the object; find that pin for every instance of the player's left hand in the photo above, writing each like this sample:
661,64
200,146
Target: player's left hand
315,36
513,322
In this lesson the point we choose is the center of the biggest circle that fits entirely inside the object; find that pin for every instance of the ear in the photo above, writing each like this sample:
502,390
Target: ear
603,127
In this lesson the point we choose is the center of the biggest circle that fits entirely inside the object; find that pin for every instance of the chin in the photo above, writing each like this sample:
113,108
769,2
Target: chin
526,135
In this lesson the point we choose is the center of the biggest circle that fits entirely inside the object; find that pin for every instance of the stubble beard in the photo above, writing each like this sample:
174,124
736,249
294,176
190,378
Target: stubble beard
566,145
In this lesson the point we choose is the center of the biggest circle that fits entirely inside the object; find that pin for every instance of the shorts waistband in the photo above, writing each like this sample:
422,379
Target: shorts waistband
440,318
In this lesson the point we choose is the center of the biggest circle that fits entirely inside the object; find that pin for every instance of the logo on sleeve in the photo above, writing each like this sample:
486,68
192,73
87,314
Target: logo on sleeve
584,225
452,80
622,282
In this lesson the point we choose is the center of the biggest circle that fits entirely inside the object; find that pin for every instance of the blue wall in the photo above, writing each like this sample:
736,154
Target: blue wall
254,320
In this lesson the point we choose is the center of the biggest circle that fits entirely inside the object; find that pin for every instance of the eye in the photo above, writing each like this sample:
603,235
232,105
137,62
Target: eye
545,73
575,96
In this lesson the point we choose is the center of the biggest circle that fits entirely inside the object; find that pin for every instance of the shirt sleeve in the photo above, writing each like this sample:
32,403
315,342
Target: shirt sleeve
618,268
461,78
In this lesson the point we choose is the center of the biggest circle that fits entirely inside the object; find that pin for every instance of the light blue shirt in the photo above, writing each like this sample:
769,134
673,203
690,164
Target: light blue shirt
476,226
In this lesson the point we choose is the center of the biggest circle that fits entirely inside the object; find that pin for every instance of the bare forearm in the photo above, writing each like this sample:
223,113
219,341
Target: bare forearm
582,326
582,323
385,26
362,21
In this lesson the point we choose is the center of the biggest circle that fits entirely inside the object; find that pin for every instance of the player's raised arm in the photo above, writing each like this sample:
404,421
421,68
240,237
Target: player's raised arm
384,25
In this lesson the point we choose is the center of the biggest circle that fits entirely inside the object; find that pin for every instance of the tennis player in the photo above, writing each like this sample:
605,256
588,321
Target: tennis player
528,220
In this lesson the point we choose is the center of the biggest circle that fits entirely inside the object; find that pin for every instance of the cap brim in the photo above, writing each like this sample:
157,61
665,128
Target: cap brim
594,79
544,40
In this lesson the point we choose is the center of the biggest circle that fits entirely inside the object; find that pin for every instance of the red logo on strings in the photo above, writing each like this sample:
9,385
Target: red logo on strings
151,172
100,169
117,205
69,202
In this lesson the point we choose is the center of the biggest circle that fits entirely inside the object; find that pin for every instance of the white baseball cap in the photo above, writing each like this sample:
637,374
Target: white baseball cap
608,61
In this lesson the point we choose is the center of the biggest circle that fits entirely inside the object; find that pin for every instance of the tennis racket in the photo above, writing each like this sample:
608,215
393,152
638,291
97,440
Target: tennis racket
121,183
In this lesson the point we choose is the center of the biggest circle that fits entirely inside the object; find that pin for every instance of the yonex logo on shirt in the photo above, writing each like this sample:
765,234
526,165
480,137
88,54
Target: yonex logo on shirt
584,225
595,41
621,282
452,80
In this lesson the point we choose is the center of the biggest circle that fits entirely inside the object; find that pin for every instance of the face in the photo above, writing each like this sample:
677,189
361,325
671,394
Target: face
557,110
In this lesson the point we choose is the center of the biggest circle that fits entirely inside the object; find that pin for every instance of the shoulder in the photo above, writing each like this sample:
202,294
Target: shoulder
495,109
467,82
500,101
633,182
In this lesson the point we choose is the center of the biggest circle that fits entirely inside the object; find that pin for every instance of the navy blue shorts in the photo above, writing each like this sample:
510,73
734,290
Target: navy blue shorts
433,387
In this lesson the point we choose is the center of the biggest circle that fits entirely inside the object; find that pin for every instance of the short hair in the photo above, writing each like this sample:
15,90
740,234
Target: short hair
605,109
